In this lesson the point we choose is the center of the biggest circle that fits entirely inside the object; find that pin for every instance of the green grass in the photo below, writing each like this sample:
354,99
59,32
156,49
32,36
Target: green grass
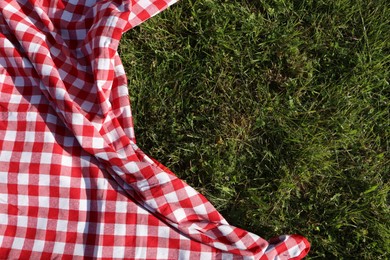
277,111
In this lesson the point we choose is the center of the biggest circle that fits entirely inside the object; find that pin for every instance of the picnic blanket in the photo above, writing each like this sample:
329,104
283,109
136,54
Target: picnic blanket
73,182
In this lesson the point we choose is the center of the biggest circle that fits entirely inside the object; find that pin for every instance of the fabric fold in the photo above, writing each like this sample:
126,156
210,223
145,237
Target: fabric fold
73,181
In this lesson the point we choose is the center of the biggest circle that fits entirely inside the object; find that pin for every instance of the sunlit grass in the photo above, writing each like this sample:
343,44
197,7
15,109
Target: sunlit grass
277,111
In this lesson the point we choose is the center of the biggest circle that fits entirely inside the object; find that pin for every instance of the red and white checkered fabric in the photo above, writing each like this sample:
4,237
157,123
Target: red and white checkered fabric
73,183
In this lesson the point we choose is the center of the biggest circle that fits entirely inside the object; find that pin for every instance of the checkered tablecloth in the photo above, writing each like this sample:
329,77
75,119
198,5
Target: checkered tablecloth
73,183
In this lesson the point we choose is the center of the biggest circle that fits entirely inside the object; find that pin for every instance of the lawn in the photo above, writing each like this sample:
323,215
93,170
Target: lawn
277,111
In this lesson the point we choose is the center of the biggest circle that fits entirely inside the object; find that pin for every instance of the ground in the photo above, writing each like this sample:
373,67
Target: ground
277,111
